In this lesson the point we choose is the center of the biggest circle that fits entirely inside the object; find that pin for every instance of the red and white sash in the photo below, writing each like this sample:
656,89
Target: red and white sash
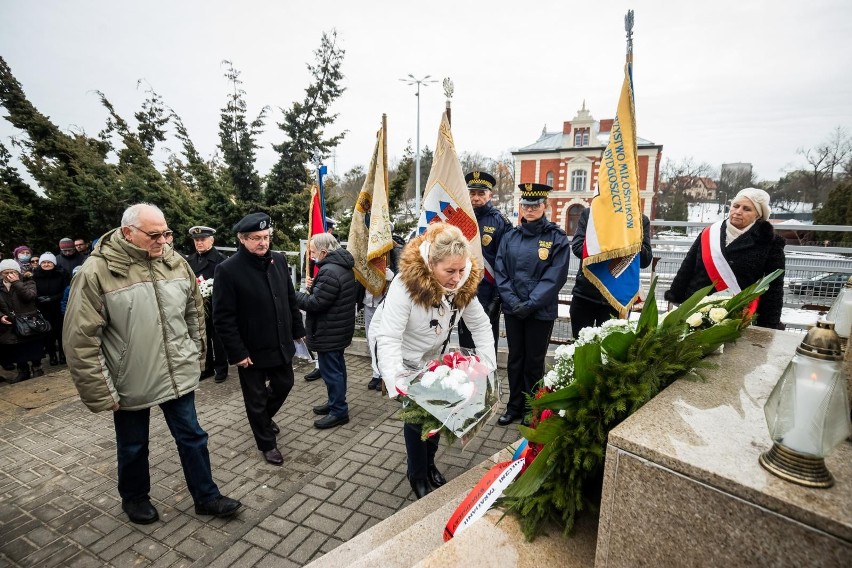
717,266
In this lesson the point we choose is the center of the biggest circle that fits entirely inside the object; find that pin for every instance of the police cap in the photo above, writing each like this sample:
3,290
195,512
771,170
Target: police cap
480,180
533,193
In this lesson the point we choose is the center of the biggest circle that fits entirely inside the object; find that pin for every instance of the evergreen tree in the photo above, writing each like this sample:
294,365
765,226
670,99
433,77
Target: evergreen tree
18,215
837,210
287,185
152,120
238,140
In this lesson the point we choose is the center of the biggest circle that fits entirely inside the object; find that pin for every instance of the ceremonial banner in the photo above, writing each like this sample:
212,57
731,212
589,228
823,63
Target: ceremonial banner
447,198
316,223
614,233
370,236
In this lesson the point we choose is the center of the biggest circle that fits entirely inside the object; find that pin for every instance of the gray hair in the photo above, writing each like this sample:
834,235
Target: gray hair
131,215
325,241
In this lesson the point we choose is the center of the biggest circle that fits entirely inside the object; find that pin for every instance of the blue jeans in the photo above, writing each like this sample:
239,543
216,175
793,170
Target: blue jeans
333,370
131,439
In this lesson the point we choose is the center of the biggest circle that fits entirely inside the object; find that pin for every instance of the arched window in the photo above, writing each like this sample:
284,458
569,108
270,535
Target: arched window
573,218
578,180
549,179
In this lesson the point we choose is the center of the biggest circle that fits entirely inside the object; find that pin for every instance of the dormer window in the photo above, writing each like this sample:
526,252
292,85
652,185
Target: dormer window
581,137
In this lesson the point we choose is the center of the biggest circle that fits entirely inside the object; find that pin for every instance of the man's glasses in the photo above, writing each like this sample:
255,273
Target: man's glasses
258,238
155,236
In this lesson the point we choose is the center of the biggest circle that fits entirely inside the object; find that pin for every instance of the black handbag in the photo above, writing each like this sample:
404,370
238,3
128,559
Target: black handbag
30,325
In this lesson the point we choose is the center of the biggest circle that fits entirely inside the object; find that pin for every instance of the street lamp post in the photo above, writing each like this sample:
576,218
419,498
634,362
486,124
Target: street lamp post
411,80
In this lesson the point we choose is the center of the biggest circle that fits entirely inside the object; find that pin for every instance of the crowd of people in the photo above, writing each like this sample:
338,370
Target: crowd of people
130,319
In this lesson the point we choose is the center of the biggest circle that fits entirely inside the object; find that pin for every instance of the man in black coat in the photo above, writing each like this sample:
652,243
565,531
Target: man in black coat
588,306
257,318
204,261
330,308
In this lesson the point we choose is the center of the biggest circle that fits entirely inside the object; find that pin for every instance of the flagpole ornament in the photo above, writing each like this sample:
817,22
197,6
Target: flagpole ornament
448,88
628,27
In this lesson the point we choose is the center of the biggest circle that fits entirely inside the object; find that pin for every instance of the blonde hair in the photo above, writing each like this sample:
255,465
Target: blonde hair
446,241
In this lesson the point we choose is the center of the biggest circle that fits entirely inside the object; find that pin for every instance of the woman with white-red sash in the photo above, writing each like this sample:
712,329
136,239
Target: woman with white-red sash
734,254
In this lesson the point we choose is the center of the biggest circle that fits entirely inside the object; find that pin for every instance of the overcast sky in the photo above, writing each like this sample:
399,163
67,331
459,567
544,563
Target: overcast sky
722,81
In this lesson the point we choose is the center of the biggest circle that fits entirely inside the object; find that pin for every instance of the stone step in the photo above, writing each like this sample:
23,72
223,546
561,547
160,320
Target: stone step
410,535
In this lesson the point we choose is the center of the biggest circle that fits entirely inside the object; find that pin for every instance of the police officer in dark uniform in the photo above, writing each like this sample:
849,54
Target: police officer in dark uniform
532,267
492,226
204,261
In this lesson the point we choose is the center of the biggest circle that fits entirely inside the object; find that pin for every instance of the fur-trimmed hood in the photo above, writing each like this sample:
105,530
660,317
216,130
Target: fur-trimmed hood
424,290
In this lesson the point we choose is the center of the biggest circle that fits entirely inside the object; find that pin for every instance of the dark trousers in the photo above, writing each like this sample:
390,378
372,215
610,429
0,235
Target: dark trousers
262,403
332,367
131,440
585,313
528,339
466,339
420,454
216,359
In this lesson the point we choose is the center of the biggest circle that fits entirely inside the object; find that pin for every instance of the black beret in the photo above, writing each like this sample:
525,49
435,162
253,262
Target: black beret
253,222
200,232
480,180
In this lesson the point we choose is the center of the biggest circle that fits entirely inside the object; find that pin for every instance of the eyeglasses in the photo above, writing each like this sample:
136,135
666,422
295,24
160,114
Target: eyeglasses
258,238
528,207
155,236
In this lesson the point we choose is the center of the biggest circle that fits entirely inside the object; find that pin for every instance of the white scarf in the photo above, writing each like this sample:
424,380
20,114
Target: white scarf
732,233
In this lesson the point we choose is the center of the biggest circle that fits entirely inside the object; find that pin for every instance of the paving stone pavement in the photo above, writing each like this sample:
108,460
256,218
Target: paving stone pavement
59,504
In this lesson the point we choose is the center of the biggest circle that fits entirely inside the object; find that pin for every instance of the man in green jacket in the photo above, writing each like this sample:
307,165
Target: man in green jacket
135,338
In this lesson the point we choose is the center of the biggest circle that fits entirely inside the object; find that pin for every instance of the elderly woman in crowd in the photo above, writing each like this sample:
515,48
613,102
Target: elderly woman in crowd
18,296
51,281
436,283
734,254
329,305
24,256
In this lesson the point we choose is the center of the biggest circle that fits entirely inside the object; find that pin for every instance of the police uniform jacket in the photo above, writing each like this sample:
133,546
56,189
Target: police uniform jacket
532,267
583,287
492,226
255,312
204,264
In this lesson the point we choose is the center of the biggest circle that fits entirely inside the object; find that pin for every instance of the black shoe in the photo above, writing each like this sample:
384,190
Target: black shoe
206,374
375,383
53,360
140,512
313,375
221,375
221,506
322,409
420,487
274,427
37,372
21,376
273,457
435,477
331,421
507,419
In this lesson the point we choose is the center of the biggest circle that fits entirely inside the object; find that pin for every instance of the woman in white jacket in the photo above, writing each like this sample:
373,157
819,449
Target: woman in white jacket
436,283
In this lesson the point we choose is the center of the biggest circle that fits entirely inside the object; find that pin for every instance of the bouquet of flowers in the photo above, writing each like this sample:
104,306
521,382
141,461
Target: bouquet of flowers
205,287
606,375
454,394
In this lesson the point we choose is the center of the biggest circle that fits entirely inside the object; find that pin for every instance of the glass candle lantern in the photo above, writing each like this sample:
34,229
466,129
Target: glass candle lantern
808,411
841,311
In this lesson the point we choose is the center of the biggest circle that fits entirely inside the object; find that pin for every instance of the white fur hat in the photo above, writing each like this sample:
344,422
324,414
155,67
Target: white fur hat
760,199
